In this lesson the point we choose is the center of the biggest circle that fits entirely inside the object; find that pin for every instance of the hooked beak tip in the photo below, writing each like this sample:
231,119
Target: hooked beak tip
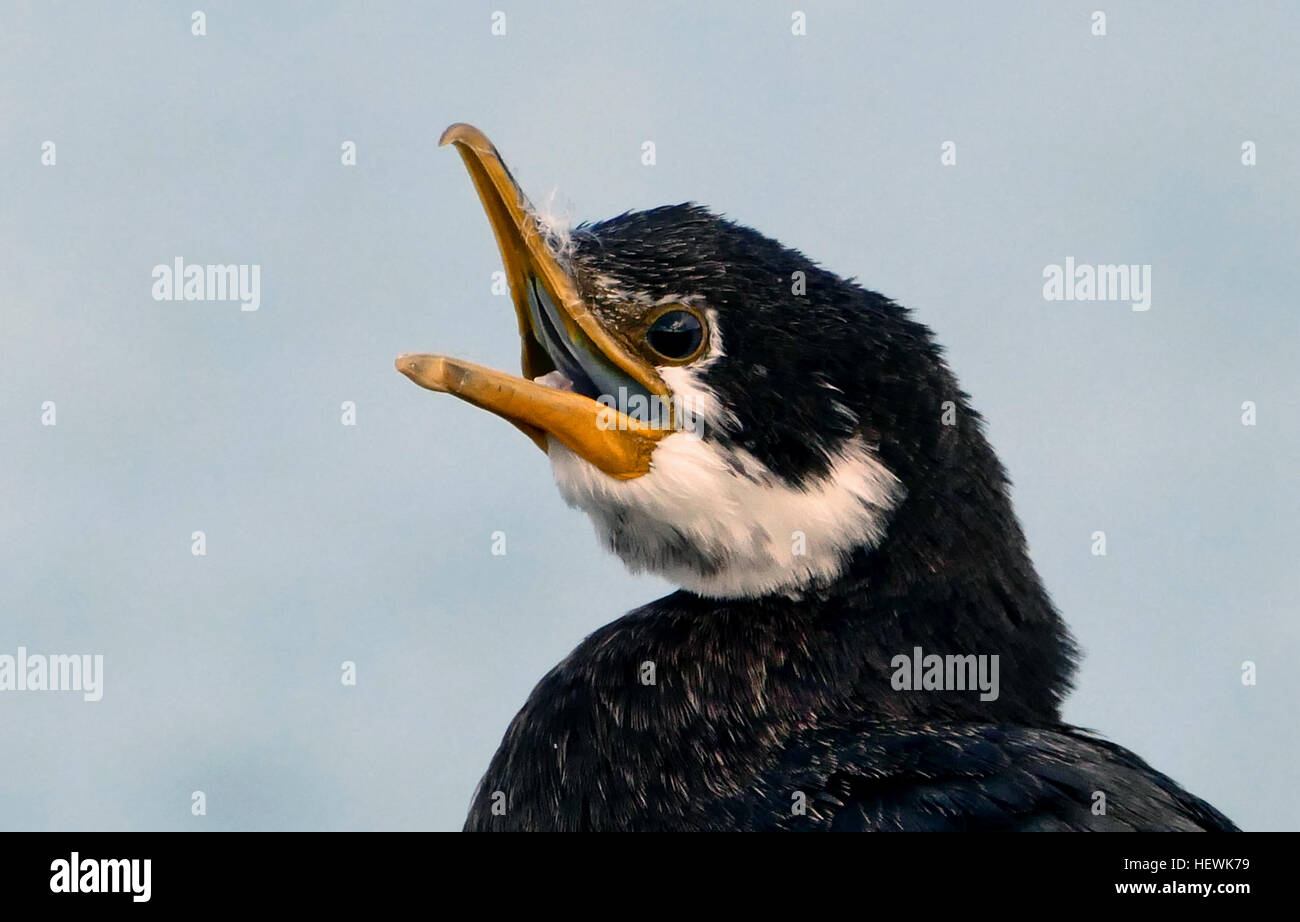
465,134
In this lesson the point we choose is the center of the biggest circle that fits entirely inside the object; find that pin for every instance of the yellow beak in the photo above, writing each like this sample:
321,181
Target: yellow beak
599,432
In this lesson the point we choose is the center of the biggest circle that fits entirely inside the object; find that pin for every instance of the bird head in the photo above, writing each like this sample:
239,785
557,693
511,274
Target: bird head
730,415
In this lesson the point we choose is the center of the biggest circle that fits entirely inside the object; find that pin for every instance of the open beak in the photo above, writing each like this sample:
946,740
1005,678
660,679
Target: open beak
556,328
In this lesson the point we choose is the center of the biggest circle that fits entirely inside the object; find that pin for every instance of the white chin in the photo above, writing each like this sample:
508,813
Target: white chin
719,523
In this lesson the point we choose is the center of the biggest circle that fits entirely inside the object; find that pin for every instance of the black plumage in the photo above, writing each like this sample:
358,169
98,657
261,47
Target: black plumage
760,704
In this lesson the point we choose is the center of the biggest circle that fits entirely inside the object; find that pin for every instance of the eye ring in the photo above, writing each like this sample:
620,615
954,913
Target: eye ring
676,334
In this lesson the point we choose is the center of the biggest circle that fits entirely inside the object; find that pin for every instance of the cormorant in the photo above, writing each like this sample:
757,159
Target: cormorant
793,451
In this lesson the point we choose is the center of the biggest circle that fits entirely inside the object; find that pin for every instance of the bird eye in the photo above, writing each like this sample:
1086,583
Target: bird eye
676,335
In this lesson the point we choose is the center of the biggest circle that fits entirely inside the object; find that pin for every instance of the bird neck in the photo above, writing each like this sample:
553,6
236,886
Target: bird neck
949,603
945,618
921,628
961,617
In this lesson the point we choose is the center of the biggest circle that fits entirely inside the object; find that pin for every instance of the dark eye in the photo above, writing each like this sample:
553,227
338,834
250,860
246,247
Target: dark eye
676,335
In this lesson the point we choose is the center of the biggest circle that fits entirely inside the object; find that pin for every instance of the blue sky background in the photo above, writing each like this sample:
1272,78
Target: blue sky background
372,543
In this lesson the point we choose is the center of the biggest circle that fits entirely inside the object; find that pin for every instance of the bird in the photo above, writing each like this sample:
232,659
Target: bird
791,450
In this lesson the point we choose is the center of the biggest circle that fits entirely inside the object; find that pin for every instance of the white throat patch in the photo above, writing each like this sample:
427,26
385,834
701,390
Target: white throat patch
719,523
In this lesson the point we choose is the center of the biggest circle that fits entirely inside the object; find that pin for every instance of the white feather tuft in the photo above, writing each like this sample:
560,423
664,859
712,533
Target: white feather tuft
555,222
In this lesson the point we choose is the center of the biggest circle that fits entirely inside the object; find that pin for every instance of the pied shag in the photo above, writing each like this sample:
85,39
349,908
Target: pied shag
792,450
